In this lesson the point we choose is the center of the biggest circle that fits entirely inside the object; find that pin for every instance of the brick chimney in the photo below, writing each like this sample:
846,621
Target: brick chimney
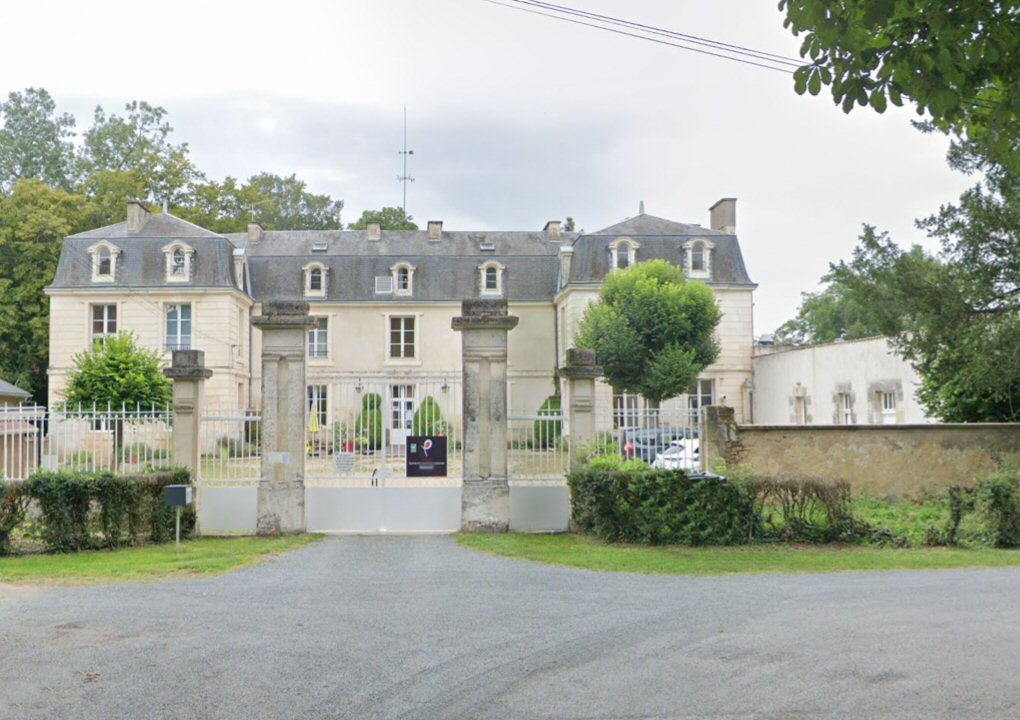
255,231
374,231
435,230
724,215
552,229
137,215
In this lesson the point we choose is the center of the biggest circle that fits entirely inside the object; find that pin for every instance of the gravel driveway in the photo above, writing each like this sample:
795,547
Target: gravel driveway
416,627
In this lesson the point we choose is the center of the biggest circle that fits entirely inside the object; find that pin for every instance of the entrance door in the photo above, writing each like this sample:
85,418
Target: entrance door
401,413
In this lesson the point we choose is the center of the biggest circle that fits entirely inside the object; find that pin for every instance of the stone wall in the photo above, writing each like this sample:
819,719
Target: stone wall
903,460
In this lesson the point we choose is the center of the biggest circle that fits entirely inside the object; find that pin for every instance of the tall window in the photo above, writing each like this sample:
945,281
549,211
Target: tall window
104,322
702,395
491,278
318,335
318,407
104,261
403,279
178,326
698,257
177,266
401,410
626,411
179,259
315,280
402,337
622,256
888,408
845,407
402,275
105,264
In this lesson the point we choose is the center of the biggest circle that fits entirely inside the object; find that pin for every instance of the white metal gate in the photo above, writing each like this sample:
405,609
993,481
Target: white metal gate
355,472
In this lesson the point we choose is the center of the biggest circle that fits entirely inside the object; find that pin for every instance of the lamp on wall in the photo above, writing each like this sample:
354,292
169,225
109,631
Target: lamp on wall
445,387
358,387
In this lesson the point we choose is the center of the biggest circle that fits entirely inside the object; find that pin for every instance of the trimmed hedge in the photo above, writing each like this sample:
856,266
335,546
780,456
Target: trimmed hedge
631,502
13,503
89,510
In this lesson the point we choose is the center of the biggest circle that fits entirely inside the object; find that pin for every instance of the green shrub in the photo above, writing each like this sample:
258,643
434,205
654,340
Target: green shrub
999,502
627,501
811,511
368,428
64,500
428,419
547,433
13,503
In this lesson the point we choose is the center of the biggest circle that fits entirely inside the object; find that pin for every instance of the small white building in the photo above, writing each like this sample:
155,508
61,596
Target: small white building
853,382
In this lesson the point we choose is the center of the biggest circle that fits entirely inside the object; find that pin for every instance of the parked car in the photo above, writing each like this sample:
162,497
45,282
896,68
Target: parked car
680,455
647,444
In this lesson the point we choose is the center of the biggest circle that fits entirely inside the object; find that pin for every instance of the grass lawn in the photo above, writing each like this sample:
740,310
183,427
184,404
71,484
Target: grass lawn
581,552
203,556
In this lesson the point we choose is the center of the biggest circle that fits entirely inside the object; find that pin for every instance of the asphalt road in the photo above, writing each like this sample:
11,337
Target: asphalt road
416,627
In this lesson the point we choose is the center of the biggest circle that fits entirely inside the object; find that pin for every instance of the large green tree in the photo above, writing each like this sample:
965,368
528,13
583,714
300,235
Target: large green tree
957,63
652,331
389,218
35,141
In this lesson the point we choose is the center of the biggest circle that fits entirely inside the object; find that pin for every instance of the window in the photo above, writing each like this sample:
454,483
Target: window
178,326
104,261
491,278
401,410
626,411
699,258
402,338
888,400
383,285
702,395
622,254
845,408
104,322
402,279
316,276
178,261
318,346
318,407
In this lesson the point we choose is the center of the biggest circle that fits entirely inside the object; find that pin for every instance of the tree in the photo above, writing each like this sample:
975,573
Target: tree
288,205
652,331
35,142
569,225
34,219
957,63
829,315
389,218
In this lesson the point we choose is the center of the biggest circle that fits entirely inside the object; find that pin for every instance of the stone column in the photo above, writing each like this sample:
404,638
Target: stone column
188,372
719,436
281,493
484,324
580,374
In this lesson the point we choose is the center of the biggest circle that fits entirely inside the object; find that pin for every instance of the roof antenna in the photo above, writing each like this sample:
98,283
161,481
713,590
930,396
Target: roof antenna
405,178
641,208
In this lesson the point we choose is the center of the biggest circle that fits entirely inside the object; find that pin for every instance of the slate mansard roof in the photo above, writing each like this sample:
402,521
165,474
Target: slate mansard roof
445,270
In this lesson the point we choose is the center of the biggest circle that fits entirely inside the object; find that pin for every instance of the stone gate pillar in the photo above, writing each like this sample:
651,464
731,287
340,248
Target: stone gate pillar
188,372
580,374
485,504
281,493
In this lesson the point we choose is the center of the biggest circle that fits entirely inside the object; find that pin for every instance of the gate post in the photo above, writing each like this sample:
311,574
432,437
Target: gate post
485,503
580,374
281,493
187,371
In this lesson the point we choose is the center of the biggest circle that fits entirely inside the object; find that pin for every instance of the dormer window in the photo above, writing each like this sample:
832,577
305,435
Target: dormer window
699,259
622,254
491,279
104,261
316,276
179,260
403,279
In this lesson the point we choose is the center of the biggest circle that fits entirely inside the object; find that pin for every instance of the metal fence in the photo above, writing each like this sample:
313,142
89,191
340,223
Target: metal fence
664,437
536,448
230,444
128,440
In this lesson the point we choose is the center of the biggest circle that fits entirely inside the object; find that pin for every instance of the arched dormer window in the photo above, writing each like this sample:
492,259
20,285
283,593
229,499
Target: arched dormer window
699,259
179,260
403,278
316,277
622,253
104,261
490,280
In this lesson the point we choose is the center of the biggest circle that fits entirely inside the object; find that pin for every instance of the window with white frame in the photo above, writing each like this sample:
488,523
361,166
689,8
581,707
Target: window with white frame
401,410
844,408
318,405
179,261
490,278
402,337
622,253
104,261
178,326
701,396
318,338
316,276
626,411
699,258
888,405
403,279
104,322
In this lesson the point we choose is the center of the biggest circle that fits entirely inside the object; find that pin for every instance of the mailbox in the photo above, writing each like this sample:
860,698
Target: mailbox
178,495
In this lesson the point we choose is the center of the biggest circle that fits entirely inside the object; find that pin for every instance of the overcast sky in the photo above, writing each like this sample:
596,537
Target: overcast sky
514,119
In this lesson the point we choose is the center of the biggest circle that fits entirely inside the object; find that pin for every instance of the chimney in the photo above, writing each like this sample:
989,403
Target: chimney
724,215
566,258
137,214
255,231
552,229
374,231
435,230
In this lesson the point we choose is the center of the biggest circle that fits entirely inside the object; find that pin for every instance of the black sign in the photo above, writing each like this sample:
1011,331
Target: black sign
426,455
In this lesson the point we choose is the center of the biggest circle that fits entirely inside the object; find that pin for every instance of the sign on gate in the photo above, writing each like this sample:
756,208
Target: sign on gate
426,456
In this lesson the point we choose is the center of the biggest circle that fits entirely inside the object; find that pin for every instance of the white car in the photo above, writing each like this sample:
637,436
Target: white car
680,455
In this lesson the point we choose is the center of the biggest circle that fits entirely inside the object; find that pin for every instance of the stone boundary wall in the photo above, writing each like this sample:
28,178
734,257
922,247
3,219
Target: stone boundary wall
880,460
